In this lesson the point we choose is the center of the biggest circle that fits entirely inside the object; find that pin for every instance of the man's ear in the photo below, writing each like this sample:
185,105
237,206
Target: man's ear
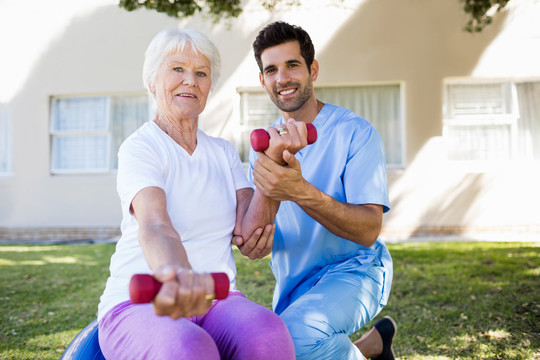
314,70
261,79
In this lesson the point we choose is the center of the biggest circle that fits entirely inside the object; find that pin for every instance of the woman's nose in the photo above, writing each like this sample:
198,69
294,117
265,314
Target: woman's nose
189,78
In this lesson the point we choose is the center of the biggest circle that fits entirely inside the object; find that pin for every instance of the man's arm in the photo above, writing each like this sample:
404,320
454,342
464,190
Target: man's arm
358,223
255,210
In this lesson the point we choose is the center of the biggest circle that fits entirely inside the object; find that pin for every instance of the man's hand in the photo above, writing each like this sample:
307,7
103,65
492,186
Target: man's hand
184,293
291,136
279,182
259,244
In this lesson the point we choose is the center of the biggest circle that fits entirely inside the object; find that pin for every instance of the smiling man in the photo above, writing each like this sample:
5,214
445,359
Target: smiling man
333,273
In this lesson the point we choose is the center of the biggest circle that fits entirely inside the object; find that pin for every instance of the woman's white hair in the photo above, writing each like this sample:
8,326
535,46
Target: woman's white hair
175,40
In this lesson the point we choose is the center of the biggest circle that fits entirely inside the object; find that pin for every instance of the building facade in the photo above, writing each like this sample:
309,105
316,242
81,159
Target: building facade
459,113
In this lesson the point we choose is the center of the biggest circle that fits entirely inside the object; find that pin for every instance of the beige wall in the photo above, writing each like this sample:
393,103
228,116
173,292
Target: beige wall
418,43
100,50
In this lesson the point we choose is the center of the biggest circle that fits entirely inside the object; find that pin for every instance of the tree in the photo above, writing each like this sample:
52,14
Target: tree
186,8
217,9
480,11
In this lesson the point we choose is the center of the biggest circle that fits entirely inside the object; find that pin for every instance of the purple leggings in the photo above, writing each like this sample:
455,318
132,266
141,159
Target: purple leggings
234,328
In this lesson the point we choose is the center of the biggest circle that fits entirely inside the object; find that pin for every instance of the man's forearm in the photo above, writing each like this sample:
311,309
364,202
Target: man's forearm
358,223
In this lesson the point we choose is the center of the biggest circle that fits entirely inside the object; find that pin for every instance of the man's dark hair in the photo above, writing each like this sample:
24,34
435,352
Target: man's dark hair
279,33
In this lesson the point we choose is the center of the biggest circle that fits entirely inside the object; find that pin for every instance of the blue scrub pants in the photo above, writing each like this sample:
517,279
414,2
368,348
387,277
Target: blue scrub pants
348,296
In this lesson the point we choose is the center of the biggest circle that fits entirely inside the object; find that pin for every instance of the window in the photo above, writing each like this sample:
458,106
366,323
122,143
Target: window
528,126
6,134
492,121
256,111
86,132
380,104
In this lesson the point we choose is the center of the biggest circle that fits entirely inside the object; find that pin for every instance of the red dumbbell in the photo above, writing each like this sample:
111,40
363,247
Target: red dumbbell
260,140
144,287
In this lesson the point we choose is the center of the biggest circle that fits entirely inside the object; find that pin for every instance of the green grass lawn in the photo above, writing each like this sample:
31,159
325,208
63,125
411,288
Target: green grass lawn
466,300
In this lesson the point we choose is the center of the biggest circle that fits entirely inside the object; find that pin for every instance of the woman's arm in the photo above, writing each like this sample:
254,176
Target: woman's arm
183,291
159,240
255,216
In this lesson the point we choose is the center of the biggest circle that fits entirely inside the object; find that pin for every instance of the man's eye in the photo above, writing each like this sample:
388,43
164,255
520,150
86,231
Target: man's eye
269,71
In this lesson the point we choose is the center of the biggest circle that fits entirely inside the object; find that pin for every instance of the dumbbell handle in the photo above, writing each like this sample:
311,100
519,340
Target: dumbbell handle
144,287
260,140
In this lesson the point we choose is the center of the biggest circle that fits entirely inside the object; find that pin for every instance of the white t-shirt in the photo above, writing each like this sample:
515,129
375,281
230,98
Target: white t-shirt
201,201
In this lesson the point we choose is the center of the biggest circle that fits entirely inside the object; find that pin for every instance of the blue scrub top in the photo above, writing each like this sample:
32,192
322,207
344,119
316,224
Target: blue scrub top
346,162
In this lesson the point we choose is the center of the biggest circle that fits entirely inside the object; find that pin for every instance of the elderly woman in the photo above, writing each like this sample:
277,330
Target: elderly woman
183,195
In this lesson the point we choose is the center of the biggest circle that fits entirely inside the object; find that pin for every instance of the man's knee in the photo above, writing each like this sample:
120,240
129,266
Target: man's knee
314,338
305,332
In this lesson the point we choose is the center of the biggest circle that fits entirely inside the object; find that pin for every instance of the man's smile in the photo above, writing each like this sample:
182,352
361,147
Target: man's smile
287,91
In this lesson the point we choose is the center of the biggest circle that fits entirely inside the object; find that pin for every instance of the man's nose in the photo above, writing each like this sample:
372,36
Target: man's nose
283,76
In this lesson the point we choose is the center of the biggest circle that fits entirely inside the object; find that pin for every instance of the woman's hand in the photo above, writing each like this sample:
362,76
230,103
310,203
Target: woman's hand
259,244
291,136
184,293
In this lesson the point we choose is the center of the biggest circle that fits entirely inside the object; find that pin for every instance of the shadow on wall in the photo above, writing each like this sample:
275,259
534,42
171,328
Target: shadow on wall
385,40
392,40
418,43
100,52
97,50
434,196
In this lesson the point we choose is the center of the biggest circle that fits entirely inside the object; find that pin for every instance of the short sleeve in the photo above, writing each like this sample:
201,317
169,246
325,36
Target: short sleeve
364,178
139,166
237,169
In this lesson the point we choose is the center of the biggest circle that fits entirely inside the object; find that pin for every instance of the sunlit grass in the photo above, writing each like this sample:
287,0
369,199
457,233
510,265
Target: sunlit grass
32,248
48,294
450,300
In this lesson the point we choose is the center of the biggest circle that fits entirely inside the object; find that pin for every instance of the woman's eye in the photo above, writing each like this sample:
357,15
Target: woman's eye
201,74
177,69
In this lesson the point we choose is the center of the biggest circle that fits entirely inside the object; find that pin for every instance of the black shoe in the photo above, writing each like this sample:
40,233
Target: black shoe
387,328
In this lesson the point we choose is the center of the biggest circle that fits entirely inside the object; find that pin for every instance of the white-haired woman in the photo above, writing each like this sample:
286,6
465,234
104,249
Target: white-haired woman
183,194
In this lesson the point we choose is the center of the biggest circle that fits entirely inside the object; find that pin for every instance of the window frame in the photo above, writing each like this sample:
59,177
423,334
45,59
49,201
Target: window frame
509,118
106,131
243,127
7,118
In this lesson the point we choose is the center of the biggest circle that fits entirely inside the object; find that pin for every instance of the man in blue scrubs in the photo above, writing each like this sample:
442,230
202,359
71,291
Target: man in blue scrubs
333,273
